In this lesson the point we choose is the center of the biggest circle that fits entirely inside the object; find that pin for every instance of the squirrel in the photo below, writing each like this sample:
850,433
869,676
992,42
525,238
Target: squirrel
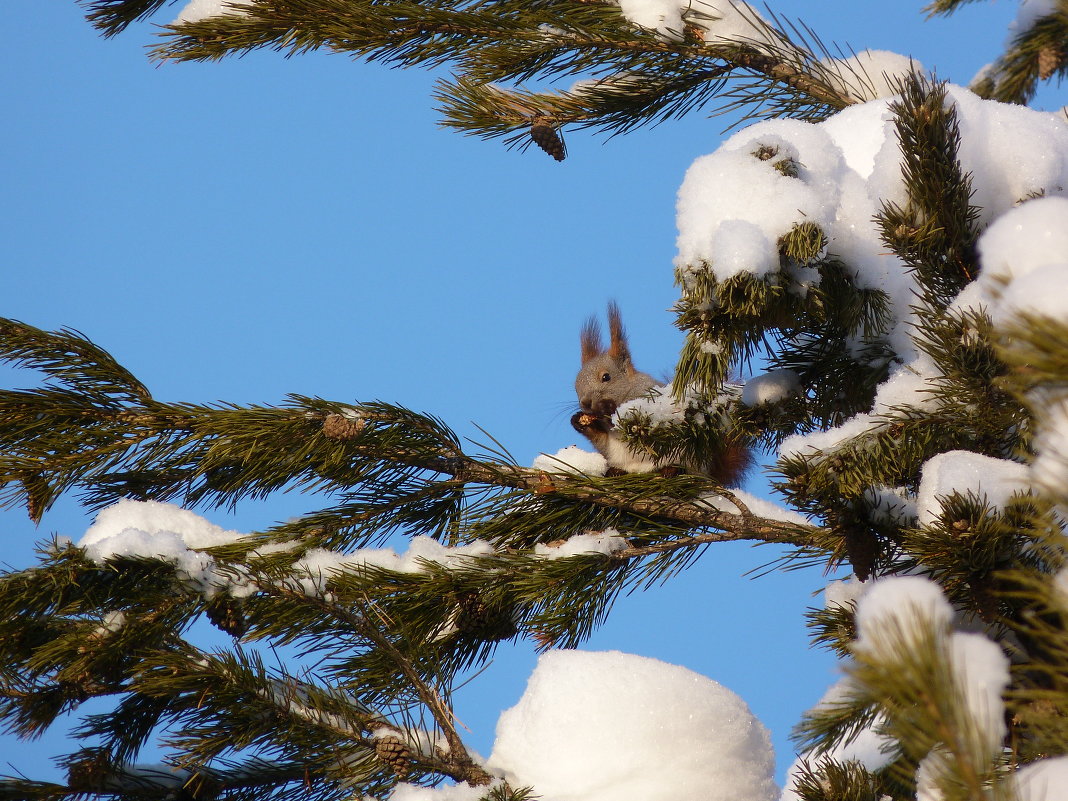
607,380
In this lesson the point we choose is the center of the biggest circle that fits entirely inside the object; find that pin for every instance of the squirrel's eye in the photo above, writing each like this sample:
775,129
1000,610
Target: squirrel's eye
606,377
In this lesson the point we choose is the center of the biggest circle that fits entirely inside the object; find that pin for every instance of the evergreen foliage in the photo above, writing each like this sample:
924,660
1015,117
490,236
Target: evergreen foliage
381,650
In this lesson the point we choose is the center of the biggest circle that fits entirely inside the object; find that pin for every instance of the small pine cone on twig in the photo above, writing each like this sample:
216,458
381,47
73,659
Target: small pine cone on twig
548,138
395,753
90,772
226,614
38,495
484,621
338,426
1050,59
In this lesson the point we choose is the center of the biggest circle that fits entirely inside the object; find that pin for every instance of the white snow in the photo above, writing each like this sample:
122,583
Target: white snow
899,610
871,74
930,771
113,621
892,504
829,440
162,530
1044,291
1024,257
761,507
868,747
606,542
165,531
1044,780
609,726
843,593
572,459
734,206
907,385
659,405
197,10
319,564
770,387
981,670
996,480
895,614
733,21
1050,466
720,21
664,16
1029,12
457,792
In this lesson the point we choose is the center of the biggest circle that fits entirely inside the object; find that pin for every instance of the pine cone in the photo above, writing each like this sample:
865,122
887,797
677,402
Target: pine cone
1049,61
38,495
90,772
548,139
395,753
484,621
338,426
225,613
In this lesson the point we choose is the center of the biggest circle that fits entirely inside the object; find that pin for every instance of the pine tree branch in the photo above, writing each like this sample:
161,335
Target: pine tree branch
945,7
115,447
486,42
618,493
457,763
1036,54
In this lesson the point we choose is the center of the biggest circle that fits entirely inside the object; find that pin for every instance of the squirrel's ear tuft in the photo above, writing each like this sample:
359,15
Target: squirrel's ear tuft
618,348
590,339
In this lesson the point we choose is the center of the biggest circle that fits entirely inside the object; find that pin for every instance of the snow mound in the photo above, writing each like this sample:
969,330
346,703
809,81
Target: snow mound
609,726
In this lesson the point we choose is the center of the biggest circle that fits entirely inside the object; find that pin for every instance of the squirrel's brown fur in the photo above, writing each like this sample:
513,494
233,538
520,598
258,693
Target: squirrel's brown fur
607,380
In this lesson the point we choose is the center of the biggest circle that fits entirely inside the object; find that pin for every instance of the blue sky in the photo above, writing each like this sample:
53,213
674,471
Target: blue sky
240,230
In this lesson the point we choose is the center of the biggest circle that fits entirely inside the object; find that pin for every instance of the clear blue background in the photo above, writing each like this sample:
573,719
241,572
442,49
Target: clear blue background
239,230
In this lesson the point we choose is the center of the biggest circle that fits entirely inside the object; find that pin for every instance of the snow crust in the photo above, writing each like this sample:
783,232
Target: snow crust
609,726
996,480
572,459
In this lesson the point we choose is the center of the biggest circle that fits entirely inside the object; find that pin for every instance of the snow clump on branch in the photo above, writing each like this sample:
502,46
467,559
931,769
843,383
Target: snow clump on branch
718,21
156,530
197,10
